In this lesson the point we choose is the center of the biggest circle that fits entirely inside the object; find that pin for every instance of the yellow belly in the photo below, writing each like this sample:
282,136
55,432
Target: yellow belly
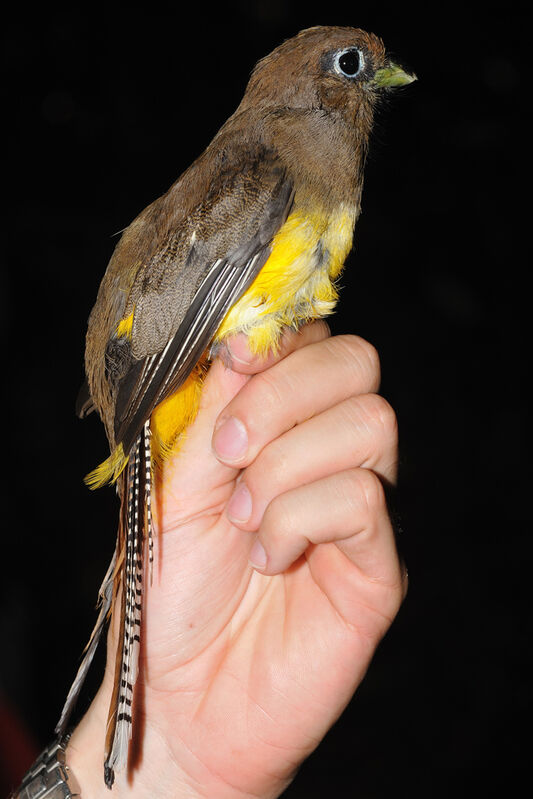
296,284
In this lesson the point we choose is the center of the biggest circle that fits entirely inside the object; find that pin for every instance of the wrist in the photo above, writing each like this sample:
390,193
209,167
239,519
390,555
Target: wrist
151,771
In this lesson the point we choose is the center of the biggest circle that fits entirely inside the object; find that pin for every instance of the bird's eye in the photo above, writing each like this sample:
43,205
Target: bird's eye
349,62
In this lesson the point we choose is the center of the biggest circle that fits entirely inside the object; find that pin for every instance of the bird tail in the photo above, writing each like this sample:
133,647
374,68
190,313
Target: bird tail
109,471
105,595
135,523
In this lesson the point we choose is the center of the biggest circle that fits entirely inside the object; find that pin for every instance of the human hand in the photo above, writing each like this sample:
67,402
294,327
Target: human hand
243,670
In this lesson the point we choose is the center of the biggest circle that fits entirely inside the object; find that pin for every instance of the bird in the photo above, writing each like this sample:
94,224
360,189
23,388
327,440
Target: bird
251,238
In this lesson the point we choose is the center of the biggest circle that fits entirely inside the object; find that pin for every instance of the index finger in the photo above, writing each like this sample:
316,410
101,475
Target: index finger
299,387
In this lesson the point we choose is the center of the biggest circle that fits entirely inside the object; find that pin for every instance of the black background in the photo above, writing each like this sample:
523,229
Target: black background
105,108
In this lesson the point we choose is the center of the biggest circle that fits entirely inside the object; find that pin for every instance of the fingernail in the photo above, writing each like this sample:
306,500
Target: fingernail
258,556
238,350
240,505
230,440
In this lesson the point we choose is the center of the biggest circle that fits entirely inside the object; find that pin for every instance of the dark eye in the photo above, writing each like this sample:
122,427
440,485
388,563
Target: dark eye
349,62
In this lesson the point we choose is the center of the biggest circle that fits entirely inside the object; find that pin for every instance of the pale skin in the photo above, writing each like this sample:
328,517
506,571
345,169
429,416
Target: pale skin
276,575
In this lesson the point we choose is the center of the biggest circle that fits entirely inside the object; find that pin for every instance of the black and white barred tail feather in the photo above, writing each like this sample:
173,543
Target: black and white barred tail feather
105,595
148,527
136,524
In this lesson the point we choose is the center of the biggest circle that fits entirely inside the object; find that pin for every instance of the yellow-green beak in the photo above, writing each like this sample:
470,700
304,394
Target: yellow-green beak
390,77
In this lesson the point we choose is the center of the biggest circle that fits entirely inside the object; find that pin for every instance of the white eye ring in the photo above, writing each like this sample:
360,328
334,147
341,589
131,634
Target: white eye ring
341,55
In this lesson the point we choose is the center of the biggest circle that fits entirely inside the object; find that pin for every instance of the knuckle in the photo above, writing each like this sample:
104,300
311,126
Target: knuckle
272,463
361,356
269,395
380,416
368,353
366,491
279,520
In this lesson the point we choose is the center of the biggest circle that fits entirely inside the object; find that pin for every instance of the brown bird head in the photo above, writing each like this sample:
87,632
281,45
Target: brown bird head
313,99
327,68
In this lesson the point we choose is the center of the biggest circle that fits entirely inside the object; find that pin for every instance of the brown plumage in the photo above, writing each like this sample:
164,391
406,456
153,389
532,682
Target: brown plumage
283,175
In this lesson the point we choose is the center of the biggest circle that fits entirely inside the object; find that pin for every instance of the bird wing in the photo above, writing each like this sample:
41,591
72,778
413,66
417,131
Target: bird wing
229,244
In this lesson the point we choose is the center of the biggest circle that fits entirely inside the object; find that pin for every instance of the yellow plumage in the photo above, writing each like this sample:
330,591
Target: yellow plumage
296,284
125,326
172,416
109,470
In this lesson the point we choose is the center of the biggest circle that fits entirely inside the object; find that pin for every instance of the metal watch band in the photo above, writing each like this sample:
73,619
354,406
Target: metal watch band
49,777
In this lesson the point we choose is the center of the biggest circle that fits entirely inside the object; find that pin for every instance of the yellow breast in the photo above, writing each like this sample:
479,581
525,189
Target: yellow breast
297,283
